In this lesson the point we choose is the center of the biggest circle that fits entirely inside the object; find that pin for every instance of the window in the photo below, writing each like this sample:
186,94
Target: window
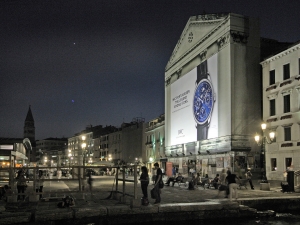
286,104
286,71
273,164
287,134
288,162
272,107
272,77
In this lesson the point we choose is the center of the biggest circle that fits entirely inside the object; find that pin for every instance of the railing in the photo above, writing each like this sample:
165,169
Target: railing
78,173
296,176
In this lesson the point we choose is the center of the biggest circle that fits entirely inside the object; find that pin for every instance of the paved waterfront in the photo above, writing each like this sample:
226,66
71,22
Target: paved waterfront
104,184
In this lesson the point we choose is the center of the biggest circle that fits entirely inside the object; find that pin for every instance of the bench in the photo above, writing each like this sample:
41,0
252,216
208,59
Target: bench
183,180
243,183
204,183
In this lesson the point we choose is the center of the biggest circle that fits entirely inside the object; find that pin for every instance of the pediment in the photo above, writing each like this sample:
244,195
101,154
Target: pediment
196,30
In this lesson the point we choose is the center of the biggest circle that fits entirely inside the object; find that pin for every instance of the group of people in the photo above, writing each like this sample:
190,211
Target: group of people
158,184
229,185
22,183
227,182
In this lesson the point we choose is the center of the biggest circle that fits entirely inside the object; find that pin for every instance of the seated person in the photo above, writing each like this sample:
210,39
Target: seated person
197,180
66,202
215,181
173,179
7,192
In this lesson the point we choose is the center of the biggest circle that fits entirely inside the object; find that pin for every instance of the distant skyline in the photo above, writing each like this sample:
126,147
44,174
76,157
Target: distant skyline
97,62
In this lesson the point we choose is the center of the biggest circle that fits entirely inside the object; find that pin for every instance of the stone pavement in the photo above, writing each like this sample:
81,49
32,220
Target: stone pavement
101,197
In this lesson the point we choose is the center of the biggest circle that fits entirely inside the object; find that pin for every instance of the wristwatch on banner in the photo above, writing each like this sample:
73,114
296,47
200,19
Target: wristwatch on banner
203,101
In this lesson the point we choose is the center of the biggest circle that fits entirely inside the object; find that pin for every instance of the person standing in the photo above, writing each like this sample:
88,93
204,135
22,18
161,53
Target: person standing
144,178
222,183
158,179
21,184
40,183
249,178
174,172
232,184
163,172
58,174
90,181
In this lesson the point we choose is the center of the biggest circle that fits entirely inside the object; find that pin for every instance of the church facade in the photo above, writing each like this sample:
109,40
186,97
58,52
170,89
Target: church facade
213,94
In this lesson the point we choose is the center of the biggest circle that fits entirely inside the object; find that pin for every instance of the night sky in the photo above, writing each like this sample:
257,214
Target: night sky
102,62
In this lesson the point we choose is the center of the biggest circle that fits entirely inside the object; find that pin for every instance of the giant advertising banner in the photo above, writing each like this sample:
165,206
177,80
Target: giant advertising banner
194,104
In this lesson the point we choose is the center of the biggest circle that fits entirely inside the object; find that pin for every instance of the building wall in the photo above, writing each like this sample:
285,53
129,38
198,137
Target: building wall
133,142
77,152
155,142
282,150
230,44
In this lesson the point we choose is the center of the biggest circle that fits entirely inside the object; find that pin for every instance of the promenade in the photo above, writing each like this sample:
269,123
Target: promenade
100,199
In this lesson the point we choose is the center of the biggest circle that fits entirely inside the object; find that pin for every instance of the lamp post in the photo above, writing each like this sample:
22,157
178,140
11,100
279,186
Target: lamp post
261,141
69,155
83,146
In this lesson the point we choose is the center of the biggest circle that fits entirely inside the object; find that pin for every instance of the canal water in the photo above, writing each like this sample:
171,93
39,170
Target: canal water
279,219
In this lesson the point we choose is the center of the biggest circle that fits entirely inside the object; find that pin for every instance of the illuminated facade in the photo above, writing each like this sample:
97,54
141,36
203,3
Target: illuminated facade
212,94
281,110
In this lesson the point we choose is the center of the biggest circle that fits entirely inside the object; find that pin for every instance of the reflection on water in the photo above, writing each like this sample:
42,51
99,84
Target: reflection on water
279,219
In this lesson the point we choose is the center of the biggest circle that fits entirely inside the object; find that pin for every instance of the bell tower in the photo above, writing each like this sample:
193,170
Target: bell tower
29,129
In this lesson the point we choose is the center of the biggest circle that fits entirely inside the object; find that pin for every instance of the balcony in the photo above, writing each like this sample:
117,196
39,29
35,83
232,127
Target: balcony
285,83
271,87
289,144
286,117
271,120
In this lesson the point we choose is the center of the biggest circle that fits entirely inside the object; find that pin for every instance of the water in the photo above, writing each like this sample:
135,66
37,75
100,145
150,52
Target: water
279,219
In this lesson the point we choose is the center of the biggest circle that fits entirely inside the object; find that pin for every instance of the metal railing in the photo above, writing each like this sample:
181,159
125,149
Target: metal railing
8,175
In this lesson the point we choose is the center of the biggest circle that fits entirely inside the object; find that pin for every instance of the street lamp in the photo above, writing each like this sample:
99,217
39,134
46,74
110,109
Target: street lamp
83,146
261,141
70,156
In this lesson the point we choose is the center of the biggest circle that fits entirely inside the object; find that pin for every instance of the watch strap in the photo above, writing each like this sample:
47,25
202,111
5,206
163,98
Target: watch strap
202,131
202,71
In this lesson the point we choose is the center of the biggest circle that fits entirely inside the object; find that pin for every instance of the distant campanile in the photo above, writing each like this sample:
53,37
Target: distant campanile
29,129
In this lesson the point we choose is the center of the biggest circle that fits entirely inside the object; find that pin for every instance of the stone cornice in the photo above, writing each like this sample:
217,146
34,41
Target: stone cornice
168,81
179,71
272,96
287,91
239,37
220,24
203,55
223,41
281,54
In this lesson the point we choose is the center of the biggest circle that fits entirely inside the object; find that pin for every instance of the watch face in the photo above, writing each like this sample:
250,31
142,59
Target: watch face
203,101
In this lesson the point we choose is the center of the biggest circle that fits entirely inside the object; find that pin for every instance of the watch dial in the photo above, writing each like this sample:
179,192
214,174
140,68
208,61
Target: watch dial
203,101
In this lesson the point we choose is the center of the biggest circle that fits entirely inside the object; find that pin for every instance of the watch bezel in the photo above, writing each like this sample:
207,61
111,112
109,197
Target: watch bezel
212,100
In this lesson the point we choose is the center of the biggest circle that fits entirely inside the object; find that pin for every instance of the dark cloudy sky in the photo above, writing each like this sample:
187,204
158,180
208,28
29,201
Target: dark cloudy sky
102,61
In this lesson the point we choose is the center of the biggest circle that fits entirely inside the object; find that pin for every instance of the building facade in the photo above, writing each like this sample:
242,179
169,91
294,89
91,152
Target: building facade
51,151
212,94
80,148
155,142
281,110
